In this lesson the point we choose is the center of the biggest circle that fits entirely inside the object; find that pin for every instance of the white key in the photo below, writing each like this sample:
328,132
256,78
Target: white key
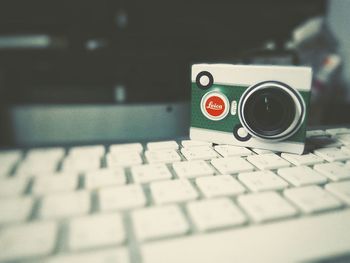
194,143
333,154
262,151
315,133
344,138
162,156
346,148
277,242
199,153
29,240
305,159
82,151
215,213
336,131
126,147
220,185
268,161
37,166
232,165
335,171
104,177
230,150
311,199
112,255
96,231
162,145
150,172
262,181
65,205
324,142
157,222
121,197
301,175
15,210
13,186
123,159
172,191
266,206
81,164
340,190
192,169
64,182
46,153
7,160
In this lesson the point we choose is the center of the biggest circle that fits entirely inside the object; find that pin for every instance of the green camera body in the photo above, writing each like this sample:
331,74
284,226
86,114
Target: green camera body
252,106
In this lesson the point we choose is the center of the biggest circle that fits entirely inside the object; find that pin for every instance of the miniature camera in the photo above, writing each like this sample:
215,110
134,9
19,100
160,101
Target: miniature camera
252,106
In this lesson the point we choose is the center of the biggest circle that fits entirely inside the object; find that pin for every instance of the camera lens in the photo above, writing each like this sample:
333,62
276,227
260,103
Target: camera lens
271,110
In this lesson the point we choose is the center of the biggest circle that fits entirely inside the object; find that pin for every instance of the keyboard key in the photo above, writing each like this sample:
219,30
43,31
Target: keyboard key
65,205
162,156
333,154
158,222
266,206
33,167
172,145
30,240
81,164
60,182
215,213
172,191
126,147
262,181
13,210
96,231
104,177
90,150
301,175
194,143
13,186
336,131
344,138
199,153
268,161
305,159
8,159
119,255
232,165
315,133
220,185
192,169
121,197
340,190
230,150
335,171
56,153
262,151
311,199
150,172
123,159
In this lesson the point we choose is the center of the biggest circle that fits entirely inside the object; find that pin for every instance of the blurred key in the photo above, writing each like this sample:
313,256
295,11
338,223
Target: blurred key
56,153
194,143
121,197
13,186
215,213
126,147
123,159
150,172
89,150
96,231
262,181
335,131
192,169
30,240
104,177
232,165
81,164
344,138
268,161
266,206
162,156
13,210
162,145
7,160
262,151
315,133
220,185
335,171
199,153
333,154
172,191
311,199
340,190
158,222
65,205
230,150
305,159
301,176
60,182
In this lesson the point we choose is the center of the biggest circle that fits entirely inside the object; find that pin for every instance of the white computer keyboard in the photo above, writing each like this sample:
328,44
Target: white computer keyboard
147,203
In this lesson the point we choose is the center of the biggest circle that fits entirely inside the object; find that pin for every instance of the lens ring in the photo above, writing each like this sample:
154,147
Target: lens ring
288,129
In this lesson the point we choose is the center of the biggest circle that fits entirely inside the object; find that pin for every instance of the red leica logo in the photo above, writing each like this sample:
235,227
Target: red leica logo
215,106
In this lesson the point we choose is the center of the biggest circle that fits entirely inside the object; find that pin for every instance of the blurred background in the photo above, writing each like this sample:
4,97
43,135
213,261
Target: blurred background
100,71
